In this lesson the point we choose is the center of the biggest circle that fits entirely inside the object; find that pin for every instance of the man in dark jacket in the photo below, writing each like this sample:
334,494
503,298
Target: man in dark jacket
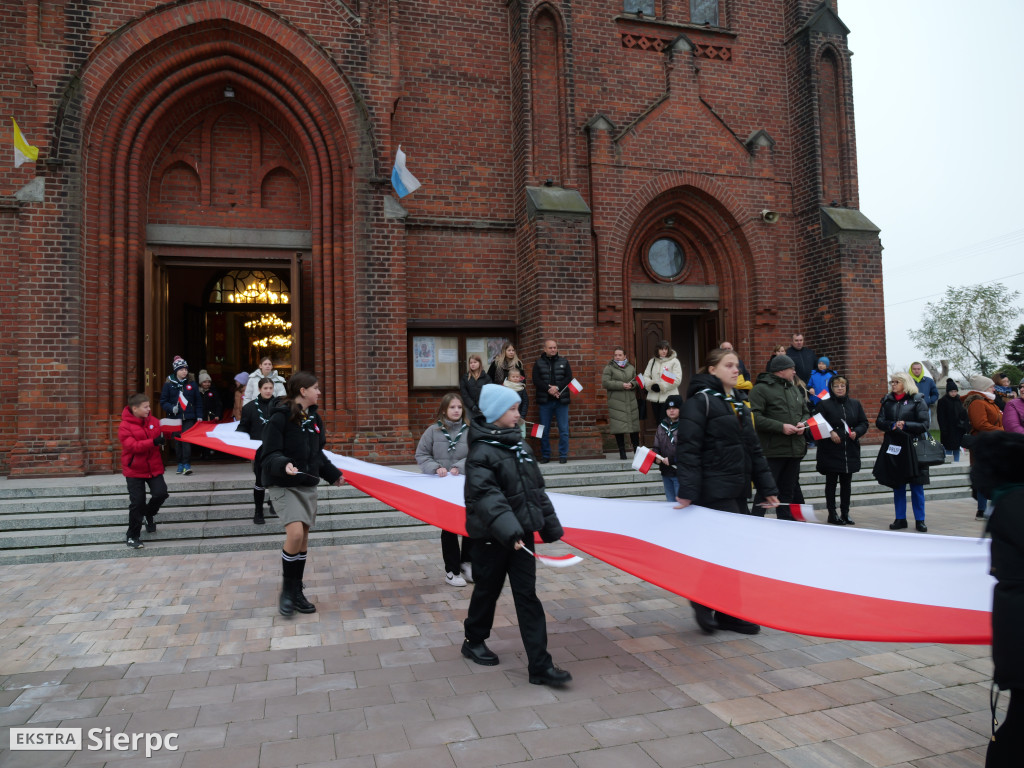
804,359
505,504
551,376
780,415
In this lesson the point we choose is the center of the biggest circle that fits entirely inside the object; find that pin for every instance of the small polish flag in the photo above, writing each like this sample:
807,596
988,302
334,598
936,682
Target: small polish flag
639,381
556,561
182,401
802,512
668,377
820,428
170,426
849,432
643,459
823,395
575,387
536,430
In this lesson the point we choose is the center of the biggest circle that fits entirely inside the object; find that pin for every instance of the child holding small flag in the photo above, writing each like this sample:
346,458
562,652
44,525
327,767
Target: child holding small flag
839,452
719,456
141,465
180,398
505,505
818,383
665,446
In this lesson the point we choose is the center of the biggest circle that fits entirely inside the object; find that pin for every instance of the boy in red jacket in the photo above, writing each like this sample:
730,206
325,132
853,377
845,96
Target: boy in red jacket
141,465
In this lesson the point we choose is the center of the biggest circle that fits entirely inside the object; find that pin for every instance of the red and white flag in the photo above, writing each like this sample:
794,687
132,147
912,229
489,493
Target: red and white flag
820,428
759,569
170,426
536,430
802,512
639,381
849,432
668,376
556,561
182,401
575,387
823,395
643,459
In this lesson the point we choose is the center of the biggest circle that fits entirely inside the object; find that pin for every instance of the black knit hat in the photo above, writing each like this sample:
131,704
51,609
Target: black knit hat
951,386
674,401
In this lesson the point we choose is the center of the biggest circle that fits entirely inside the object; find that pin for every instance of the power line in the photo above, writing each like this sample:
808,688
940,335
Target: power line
940,293
977,249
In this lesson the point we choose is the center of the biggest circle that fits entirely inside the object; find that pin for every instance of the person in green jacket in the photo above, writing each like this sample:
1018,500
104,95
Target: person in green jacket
619,378
780,418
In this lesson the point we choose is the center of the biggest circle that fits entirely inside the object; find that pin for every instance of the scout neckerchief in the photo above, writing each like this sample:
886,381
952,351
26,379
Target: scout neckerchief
452,441
309,423
737,405
671,427
522,455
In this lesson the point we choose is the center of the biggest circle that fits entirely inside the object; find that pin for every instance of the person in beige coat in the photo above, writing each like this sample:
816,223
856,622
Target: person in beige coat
662,378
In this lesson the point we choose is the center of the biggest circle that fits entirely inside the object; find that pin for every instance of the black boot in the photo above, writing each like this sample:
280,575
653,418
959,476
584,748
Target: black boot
833,519
286,603
845,517
150,524
620,441
302,605
258,494
270,509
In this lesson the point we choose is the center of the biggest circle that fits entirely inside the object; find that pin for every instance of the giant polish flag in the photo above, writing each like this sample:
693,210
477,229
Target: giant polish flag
772,572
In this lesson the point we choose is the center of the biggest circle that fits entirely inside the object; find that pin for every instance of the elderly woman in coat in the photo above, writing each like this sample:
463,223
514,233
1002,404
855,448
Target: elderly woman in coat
985,416
619,378
902,416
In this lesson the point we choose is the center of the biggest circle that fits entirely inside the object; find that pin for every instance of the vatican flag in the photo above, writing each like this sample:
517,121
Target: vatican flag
23,151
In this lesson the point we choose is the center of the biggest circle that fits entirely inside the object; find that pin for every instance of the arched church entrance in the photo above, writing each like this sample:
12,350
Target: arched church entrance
222,146
686,272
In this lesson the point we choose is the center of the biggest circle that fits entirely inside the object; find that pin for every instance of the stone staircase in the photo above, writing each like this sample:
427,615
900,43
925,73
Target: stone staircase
211,511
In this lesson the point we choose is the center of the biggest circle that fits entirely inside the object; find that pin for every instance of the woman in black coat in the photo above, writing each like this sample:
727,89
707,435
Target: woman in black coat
718,456
996,472
902,416
953,420
839,454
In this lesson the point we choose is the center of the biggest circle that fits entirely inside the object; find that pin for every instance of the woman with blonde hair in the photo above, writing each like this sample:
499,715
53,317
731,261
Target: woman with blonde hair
471,384
503,362
902,416
442,451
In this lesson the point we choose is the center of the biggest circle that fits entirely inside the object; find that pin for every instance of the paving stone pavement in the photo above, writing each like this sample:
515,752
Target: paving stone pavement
194,645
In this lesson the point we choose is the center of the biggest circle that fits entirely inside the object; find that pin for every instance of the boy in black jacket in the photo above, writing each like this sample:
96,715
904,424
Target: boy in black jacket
505,504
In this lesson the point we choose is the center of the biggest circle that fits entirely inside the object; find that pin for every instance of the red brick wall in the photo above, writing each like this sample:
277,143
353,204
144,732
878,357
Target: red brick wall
126,101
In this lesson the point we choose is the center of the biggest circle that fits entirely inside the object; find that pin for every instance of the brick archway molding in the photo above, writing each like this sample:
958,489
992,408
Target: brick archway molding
134,89
730,245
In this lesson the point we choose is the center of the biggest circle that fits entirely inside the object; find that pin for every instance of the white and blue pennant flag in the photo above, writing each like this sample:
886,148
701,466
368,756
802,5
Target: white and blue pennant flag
403,181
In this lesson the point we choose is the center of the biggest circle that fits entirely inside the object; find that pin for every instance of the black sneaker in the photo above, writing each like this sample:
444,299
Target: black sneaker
732,624
562,460
150,524
898,524
134,543
543,460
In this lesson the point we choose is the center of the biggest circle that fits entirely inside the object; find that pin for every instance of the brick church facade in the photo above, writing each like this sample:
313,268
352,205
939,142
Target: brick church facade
607,172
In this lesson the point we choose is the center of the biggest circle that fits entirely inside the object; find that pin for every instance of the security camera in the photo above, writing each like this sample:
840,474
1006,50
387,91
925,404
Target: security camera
769,217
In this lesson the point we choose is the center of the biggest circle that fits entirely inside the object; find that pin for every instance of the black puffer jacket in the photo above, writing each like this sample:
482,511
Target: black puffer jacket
953,421
552,370
996,473
842,458
913,412
718,453
302,445
255,416
505,498
470,389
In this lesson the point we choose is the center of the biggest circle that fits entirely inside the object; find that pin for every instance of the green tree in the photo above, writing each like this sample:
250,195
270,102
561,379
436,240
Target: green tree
1016,353
970,326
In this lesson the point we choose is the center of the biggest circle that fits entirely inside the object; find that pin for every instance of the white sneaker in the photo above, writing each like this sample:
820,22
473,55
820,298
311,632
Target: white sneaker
454,580
467,572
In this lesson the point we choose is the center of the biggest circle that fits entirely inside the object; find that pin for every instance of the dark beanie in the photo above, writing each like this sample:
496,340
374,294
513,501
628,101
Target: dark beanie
951,386
780,363
673,401
178,364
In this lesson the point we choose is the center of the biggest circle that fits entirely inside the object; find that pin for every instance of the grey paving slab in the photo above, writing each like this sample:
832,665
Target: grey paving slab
192,642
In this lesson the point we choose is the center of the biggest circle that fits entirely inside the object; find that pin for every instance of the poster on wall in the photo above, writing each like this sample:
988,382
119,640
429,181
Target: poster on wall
423,352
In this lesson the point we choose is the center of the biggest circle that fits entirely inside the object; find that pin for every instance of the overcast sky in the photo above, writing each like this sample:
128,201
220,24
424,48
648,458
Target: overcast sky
940,127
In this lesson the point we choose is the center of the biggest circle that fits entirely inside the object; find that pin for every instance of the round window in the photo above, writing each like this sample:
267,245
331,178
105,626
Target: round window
665,258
